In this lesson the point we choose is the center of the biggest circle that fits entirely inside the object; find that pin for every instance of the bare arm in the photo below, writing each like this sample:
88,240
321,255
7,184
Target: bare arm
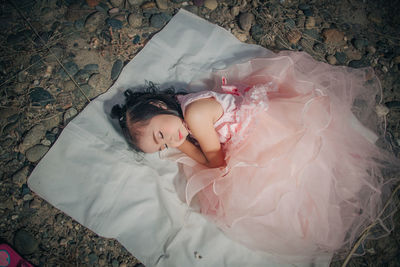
200,117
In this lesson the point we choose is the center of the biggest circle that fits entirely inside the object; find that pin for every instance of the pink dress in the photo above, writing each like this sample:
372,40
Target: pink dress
301,179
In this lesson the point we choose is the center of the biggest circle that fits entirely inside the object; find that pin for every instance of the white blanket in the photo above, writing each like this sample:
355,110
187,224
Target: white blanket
91,174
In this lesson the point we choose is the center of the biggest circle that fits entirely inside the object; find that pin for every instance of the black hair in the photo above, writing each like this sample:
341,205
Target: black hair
141,106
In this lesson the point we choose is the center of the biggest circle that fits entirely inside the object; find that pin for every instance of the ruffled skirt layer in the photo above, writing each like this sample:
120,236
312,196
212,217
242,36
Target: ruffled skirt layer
303,177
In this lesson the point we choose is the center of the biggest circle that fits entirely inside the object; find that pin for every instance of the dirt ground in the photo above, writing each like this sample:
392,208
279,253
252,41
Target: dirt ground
48,47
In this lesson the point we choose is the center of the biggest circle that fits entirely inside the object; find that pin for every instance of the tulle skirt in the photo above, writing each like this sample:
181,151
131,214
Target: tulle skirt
303,176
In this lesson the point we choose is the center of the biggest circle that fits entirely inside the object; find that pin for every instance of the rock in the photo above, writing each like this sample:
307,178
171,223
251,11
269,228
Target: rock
71,68
95,21
135,2
192,9
113,11
114,23
117,3
211,4
100,84
310,23
353,54
306,9
148,5
333,36
360,44
234,11
159,20
136,39
20,176
79,24
135,20
240,36
114,263
341,57
246,20
331,59
33,137
69,115
27,197
93,258
307,45
40,97
51,122
35,204
82,76
396,60
358,64
7,204
35,153
257,32
319,48
25,243
162,4
46,142
116,69
290,23
56,52
293,36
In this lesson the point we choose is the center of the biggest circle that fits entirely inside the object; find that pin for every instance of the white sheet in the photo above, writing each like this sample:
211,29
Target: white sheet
91,175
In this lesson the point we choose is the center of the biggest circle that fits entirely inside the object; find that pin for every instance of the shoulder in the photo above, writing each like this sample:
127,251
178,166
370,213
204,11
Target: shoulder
204,109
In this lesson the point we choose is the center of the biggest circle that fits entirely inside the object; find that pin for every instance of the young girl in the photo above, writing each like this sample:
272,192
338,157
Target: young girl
273,154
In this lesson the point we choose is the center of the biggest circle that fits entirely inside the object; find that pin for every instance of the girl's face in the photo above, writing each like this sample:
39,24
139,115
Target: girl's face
161,132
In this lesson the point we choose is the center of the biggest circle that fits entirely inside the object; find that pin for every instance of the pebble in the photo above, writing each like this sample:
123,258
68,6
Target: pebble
290,23
40,97
36,153
293,36
33,137
235,11
360,44
136,39
310,23
114,23
46,142
25,243
20,176
69,115
319,48
79,24
257,32
353,54
135,2
7,204
211,4
115,263
331,59
116,69
358,64
51,122
333,36
117,3
27,197
135,20
95,21
100,84
159,20
371,50
341,57
93,258
35,204
246,20
162,4
71,68
94,68
82,76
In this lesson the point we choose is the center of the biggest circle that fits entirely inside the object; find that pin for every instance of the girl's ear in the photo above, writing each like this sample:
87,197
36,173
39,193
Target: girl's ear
159,104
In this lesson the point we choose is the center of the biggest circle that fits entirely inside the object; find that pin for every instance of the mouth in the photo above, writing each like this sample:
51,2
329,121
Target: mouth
180,135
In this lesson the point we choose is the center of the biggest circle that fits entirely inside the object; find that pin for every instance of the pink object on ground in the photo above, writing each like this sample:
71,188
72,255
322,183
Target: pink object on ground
10,258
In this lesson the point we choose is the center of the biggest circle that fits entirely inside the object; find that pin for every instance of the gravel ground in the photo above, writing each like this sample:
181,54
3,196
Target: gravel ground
94,39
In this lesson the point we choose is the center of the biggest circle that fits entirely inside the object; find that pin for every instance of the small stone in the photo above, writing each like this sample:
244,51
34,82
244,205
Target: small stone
46,142
51,122
117,3
136,39
211,4
135,20
290,23
116,69
93,258
82,76
234,11
294,36
162,4
69,115
341,57
135,2
79,24
192,9
20,176
32,138
331,59
148,5
257,32
25,243
353,54
159,20
371,50
310,23
333,36
71,68
94,68
35,204
40,97
246,20
307,44
360,44
63,242
240,36
7,204
114,23
114,263
319,48
27,197
95,21
35,153
358,64
114,10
